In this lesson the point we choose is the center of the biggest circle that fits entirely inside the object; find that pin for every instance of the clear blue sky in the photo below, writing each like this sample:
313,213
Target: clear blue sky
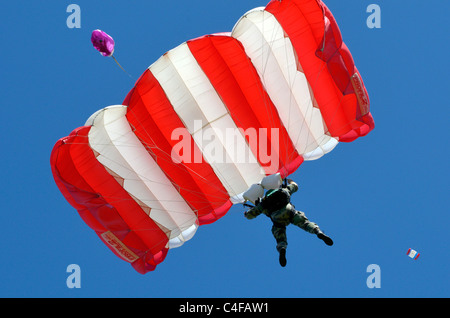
376,197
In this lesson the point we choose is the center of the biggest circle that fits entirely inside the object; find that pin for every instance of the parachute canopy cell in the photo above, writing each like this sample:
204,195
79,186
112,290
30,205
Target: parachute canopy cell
209,120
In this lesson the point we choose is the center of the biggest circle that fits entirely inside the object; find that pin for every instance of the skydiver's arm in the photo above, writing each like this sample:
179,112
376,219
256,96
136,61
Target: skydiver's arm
253,212
292,186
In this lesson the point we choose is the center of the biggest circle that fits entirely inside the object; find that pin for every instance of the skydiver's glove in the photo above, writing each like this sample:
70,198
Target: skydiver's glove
249,215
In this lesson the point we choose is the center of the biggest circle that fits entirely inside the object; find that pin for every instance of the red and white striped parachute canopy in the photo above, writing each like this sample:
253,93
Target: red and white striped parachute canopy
207,122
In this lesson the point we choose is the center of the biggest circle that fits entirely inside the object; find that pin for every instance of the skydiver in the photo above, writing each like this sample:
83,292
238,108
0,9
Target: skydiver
276,205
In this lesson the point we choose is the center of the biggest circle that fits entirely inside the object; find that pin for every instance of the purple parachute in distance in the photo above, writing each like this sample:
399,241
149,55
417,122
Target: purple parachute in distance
102,42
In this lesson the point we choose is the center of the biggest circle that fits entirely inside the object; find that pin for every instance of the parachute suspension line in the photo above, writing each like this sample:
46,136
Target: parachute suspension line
309,111
291,96
333,117
290,84
265,62
169,158
291,81
266,53
313,89
307,117
324,66
267,109
121,66
140,178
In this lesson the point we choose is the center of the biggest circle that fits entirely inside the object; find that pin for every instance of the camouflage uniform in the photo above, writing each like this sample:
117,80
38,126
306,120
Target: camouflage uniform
283,217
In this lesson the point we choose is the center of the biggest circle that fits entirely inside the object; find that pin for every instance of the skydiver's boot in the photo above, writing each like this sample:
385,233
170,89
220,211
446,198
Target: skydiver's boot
282,258
323,237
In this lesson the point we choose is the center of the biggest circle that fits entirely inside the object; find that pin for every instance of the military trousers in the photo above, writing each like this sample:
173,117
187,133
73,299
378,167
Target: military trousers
299,219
